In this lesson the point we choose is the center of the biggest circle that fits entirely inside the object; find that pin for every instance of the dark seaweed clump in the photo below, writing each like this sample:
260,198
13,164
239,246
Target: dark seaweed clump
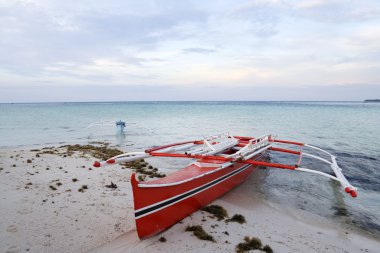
111,185
52,187
218,211
252,244
102,152
84,187
145,170
237,218
200,233
267,249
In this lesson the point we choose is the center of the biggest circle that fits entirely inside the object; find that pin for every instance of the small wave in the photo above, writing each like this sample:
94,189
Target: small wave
353,155
321,137
341,144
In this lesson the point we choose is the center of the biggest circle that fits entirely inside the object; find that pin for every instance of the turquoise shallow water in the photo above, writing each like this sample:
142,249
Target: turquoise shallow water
349,130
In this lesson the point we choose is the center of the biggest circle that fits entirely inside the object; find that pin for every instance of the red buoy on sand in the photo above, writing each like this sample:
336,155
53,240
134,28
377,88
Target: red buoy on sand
110,161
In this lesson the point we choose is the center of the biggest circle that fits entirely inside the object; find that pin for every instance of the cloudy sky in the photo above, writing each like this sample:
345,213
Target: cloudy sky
92,50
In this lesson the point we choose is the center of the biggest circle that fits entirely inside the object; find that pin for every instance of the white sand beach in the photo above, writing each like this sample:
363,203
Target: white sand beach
53,203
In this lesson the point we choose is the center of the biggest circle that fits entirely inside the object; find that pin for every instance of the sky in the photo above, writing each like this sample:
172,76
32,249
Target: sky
92,50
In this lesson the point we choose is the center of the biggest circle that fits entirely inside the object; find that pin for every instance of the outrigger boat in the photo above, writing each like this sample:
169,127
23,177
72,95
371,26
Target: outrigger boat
221,162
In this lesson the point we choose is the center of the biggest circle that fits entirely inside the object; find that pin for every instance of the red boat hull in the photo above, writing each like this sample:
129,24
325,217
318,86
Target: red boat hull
222,163
157,207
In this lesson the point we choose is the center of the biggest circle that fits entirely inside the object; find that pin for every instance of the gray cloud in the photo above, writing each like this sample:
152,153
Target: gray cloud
263,16
33,37
150,42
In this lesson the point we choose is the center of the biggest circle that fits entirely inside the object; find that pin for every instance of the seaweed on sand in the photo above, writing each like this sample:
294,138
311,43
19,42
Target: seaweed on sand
111,185
267,249
252,243
249,244
52,187
103,152
218,211
200,233
84,187
142,167
237,218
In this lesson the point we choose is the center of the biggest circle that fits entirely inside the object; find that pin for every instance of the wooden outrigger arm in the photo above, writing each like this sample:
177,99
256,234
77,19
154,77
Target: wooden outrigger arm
231,149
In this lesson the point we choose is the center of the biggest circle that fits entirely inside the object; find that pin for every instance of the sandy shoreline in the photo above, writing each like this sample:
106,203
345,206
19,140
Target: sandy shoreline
37,218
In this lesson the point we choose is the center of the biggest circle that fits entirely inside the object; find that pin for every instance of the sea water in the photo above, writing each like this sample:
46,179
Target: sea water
350,130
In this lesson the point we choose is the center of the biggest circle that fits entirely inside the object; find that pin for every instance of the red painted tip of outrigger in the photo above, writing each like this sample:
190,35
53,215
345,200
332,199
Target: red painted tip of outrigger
352,192
110,161
97,164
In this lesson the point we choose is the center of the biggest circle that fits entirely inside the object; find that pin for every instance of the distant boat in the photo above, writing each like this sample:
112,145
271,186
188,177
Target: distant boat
372,101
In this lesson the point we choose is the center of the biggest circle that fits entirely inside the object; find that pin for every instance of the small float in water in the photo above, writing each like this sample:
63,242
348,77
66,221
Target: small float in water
120,125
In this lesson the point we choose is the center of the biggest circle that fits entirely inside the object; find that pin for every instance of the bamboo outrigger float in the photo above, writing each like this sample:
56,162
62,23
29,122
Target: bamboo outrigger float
221,163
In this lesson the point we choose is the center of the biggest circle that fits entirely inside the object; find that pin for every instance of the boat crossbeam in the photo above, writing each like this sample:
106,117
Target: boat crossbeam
123,158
